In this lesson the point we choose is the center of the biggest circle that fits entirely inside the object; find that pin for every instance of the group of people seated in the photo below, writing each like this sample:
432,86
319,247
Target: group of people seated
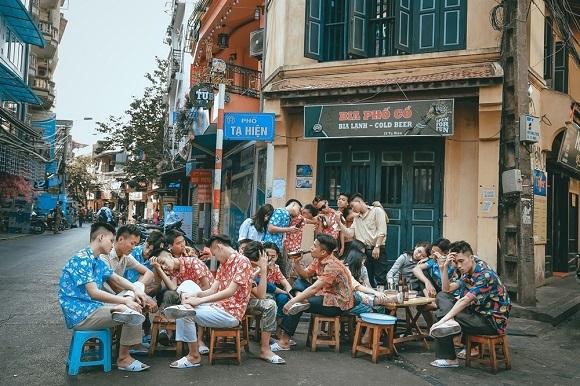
116,281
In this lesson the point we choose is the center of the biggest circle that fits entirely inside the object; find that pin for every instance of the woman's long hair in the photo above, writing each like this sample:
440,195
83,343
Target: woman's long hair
279,261
259,218
354,261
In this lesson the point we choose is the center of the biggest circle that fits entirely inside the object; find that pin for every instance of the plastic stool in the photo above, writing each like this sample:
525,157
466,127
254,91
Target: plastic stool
75,352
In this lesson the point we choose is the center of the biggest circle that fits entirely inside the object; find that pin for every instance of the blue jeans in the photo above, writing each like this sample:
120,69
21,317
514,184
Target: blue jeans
281,300
290,322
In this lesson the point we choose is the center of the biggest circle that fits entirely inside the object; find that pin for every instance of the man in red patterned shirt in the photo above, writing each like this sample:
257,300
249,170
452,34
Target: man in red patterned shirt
179,274
221,306
330,295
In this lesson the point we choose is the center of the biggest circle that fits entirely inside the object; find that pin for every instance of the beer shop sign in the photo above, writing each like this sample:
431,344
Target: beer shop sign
385,119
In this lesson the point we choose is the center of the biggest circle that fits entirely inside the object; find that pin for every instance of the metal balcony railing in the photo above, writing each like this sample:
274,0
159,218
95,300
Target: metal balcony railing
245,81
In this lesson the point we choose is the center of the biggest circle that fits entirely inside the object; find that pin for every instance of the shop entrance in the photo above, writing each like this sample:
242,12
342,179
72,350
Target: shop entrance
405,175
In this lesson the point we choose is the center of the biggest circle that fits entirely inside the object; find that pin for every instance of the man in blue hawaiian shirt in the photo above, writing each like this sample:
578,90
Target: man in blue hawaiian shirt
279,223
87,307
482,309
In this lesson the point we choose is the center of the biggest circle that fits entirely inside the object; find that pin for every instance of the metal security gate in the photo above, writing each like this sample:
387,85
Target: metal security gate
405,175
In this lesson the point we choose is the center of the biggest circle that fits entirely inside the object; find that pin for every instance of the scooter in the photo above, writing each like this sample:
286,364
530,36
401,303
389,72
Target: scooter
37,224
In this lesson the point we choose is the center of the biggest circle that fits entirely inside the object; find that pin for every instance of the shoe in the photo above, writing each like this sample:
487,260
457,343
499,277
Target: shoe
298,307
163,338
178,312
450,327
130,317
443,364
184,363
135,366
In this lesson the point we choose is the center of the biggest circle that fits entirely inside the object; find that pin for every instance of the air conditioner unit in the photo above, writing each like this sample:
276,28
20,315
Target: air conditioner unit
257,43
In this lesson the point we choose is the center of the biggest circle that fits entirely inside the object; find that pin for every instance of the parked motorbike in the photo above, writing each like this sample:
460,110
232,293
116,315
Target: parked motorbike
37,224
50,222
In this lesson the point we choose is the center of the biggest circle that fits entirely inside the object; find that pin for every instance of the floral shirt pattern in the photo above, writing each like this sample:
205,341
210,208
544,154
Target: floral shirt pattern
131,274
74,299
332,226
280,218
275,275
338,289
293,240
488,295
239,270
191,268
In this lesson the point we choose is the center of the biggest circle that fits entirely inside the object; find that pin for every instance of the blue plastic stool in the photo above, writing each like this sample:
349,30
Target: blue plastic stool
75,353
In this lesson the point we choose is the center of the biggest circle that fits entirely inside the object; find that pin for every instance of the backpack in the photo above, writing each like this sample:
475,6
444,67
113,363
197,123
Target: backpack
102,216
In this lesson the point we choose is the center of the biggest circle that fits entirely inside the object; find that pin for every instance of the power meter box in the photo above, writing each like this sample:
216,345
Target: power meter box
529,129
511,181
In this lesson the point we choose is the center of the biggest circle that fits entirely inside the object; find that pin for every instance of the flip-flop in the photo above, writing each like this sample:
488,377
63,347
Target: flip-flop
136,366
129,317
184,363
277,347
178,312
461,354
203,350
275,360
292,342
443,364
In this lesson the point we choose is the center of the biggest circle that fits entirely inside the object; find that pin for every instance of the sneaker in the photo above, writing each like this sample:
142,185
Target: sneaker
298,307
129,317
450,327
178,312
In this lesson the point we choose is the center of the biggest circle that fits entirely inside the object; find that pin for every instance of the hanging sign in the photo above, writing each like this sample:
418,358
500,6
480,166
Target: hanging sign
201,95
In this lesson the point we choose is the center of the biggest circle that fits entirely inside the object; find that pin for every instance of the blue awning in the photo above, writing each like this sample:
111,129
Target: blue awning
21,22
14,88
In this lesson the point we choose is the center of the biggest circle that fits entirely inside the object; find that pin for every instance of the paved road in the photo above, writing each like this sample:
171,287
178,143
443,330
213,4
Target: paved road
34,342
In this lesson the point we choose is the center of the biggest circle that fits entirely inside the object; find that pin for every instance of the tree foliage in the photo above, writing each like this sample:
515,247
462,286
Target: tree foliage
80,178
140,133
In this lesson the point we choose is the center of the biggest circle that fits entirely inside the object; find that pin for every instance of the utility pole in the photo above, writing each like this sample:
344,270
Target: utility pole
516,260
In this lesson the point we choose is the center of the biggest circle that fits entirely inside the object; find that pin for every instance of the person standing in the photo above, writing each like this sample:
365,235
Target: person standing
370,227
155,218
57,217
170,217
255,227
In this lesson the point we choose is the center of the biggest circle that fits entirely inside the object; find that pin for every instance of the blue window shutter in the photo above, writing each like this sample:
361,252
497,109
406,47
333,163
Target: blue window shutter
425,18
313,33
358,37
403,26
452,28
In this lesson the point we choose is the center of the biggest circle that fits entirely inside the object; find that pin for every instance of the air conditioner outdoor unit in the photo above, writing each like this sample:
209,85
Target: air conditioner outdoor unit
257,43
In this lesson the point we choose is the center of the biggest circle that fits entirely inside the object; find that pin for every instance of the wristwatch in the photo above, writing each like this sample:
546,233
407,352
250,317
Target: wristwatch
377,246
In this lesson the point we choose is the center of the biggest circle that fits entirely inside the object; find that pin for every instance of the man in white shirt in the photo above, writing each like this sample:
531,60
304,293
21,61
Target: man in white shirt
170,217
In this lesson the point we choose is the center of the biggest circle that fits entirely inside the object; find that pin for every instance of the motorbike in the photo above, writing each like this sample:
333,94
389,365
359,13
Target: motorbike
50,221
38,224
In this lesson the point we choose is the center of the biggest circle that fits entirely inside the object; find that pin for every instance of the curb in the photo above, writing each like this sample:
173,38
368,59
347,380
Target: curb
554,314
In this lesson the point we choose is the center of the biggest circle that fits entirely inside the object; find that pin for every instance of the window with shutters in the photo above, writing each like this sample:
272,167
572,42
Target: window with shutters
555,59
351,29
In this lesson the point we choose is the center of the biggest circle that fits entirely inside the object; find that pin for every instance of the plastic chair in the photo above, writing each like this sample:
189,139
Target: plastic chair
76,354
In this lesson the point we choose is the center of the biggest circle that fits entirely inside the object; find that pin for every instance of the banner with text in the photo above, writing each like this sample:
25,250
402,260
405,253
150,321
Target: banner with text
384,119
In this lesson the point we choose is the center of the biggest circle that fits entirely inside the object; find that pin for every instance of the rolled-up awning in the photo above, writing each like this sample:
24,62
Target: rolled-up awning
14,88
21,22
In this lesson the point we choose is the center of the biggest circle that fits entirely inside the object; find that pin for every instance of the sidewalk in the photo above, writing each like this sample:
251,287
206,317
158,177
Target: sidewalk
556,301
9,236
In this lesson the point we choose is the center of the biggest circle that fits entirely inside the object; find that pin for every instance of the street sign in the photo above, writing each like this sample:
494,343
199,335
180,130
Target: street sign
249,126
201,95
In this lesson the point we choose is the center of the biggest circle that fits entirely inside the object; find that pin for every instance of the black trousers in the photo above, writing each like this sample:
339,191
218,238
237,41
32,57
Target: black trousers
472,323
377,268
290,322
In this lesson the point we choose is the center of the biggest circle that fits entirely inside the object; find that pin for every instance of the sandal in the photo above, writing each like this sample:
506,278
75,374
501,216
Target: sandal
277,347
461,354
275,360
443,363
203,350
136,366
184,363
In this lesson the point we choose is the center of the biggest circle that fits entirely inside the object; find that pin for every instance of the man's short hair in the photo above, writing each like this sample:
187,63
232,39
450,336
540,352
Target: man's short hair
100,228
220,239
461,247
290,201
244,241
318,198
326,241
312,209
355,195
156,239
171,235
253,250
158,251
128,230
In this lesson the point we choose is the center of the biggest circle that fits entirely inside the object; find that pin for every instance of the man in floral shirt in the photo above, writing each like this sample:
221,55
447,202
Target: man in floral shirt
326,221
221,306
330,295
87,307
483,307
279,223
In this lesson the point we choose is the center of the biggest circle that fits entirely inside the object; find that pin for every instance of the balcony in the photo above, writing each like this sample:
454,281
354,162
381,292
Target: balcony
44,88
51,35
50,4
245,81
32,65
35,8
